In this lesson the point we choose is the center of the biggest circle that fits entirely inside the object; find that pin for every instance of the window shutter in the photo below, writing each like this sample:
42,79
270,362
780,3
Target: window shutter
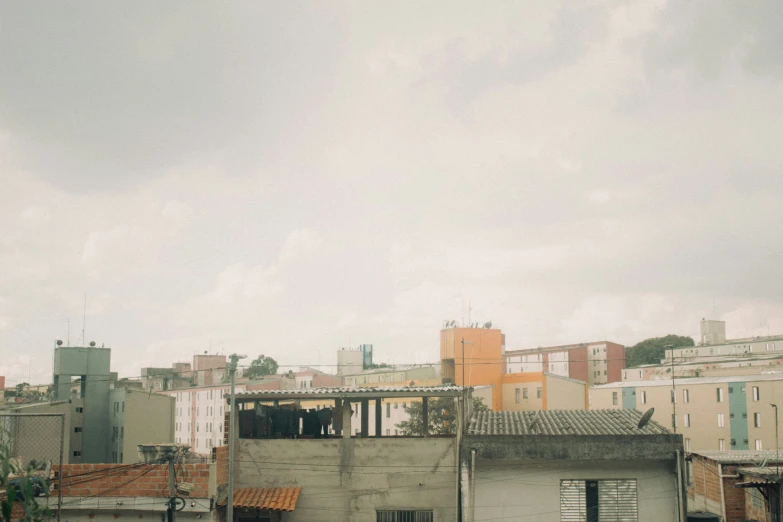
617,501
573,506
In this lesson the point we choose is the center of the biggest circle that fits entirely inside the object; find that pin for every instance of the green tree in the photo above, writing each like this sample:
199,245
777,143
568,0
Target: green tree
261,366
442,416
21,487
651,351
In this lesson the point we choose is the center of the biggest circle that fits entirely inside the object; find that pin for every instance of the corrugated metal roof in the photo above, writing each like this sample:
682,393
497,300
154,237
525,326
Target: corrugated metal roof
399,391
738,456
685,381
562,422
766,472
276,499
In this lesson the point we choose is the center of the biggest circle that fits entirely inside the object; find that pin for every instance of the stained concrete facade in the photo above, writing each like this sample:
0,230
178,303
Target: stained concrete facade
518,477
138,417
347,480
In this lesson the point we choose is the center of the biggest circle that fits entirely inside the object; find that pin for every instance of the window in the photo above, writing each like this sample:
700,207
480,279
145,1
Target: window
77,429
722,444
720,420
604,500
719,392
123,406
686,396
686,420
758,444
756,394
614,398
403,516
79,410
756,420
687,444
122,432
673,396
644,397
539,392
77,453
388,410
516,395
524,393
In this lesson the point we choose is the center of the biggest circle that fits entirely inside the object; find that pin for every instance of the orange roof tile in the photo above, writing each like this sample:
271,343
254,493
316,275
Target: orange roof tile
277,499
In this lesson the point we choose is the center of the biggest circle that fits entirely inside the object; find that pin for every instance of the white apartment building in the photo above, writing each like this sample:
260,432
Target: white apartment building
199,416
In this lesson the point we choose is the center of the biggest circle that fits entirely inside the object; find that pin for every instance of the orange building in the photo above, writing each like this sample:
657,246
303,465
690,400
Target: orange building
482,363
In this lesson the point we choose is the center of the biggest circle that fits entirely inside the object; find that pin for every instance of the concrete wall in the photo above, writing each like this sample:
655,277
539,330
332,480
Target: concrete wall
38,438
530,490
565,394
346,480
149,419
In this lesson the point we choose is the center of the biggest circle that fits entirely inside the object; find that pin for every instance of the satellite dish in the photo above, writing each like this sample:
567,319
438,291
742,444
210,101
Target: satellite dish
453,322
645,418
488,324
92,344
59,343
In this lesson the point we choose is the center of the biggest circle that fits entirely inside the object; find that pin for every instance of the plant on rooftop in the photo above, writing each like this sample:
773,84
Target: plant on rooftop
442,416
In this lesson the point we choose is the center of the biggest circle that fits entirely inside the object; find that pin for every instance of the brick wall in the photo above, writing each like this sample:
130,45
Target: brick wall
705,494
221,465
116,480
755,506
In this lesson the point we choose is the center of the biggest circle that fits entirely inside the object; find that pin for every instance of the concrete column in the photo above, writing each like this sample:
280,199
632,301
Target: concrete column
365,418
347,412
378,417
425,412
337,404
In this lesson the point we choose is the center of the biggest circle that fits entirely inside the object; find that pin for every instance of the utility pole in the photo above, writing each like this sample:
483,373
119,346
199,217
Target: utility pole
674,390
777,442
172,488
231,432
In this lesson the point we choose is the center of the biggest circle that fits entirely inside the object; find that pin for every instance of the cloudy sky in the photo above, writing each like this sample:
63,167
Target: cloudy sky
288,178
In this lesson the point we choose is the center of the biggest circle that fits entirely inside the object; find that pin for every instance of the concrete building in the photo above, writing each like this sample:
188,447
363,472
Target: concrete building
199,416
351,478
2,392
735,485
209,370
715,346
158,379
594,363
137,417
91,365
714,367
393,376
350,360
571,465
712,413
542,391
473,357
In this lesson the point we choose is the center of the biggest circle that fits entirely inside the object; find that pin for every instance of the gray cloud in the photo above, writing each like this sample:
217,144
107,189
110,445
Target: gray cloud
289,179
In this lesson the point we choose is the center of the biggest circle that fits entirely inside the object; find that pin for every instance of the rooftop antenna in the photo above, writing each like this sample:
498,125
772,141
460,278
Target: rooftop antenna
469,310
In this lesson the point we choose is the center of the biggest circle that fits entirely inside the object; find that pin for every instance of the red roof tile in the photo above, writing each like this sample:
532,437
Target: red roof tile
277,499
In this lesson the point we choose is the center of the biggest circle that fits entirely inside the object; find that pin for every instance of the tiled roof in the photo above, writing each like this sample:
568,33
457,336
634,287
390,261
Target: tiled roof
738,456
562,422
384,391
277,499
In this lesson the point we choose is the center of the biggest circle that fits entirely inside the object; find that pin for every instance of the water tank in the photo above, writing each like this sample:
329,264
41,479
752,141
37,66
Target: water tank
703,516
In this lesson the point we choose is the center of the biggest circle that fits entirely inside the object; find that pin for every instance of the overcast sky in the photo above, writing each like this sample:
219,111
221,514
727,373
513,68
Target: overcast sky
288,178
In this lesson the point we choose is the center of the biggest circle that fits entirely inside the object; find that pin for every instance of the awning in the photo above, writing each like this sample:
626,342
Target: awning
275,499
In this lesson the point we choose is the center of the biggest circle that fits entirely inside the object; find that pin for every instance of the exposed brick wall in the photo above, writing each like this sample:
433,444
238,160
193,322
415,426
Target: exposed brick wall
116,480
707,484
755,506
221,465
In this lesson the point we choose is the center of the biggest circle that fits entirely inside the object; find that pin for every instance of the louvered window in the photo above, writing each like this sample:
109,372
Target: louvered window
598,500
403,516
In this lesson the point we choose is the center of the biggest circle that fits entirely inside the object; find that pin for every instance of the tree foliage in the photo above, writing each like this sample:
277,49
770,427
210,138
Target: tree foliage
21,487
651,351
261,366
442,416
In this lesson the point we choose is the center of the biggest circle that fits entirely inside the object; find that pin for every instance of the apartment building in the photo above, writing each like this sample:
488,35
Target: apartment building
199,416
594,362
542,391
473,357
712,413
